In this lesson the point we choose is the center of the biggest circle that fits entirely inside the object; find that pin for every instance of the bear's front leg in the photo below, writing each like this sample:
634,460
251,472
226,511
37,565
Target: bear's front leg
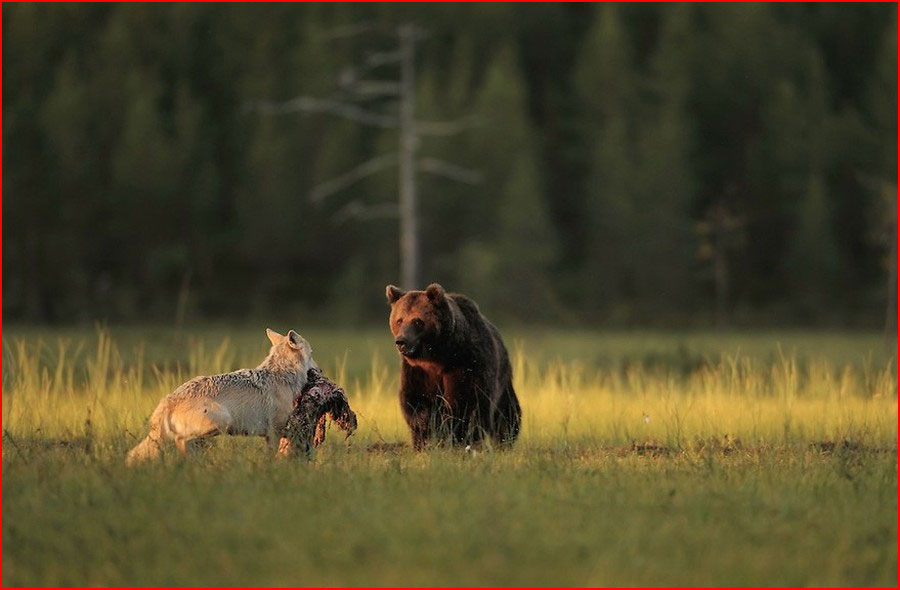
466,406
417,410
420,428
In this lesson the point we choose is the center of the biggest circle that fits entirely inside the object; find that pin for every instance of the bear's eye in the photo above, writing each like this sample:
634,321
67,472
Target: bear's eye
418,323
399,321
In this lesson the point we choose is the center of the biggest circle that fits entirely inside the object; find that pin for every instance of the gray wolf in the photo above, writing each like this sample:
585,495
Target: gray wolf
254,402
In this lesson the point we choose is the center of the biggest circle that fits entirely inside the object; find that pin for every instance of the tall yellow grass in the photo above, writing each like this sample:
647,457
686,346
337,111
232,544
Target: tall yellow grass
72,389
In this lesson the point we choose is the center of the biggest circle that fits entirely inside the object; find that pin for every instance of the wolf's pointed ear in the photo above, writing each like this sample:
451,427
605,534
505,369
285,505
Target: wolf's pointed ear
274,337
393,294
435,293
294,340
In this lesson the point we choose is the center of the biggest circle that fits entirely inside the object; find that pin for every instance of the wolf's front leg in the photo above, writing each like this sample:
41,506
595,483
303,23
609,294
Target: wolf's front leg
275,440
272,439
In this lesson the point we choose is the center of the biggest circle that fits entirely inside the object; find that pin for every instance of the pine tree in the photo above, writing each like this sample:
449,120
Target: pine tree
813,259
514,245
665,184
607,87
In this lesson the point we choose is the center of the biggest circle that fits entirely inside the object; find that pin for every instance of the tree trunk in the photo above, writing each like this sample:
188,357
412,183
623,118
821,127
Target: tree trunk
409,214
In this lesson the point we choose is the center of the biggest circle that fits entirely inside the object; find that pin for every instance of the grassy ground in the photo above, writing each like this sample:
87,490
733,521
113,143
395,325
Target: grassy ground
646,459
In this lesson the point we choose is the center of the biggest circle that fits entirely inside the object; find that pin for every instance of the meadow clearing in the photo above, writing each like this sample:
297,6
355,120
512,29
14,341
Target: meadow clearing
646,458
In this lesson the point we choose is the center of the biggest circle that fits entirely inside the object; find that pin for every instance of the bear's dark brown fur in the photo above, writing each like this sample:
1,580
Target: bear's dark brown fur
456,381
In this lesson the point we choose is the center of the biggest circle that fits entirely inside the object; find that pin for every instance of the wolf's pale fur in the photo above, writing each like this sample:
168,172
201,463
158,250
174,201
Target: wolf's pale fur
248,401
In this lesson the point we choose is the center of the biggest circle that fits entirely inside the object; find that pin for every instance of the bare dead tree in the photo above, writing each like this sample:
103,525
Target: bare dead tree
409,130
409,206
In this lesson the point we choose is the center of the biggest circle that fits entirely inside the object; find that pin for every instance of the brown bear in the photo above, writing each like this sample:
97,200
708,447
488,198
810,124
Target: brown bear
456,382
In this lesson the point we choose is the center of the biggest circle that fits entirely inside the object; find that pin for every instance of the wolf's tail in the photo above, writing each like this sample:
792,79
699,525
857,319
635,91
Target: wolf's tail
149,448
145,450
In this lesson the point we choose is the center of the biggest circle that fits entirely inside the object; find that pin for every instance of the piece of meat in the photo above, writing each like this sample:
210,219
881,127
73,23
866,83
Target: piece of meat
306,426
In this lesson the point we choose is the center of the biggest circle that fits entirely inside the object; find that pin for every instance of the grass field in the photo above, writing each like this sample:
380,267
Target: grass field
646,458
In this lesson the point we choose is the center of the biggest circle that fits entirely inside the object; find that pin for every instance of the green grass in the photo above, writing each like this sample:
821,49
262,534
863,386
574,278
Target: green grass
646,459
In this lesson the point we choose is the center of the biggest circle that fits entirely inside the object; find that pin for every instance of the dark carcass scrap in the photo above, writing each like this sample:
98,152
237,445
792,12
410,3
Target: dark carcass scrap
320,398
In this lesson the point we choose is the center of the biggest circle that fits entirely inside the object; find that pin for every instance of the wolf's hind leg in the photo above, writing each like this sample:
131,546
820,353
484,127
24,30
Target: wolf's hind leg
202,442
180,444
197,418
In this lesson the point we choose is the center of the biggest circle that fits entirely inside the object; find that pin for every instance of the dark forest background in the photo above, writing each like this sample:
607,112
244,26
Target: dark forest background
639,164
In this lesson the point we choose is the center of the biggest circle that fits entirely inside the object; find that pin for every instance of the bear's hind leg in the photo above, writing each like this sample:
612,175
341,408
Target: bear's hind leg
507,417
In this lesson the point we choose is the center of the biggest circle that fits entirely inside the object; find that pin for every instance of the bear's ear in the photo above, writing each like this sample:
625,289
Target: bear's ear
294,340
274,337
393,294
435,293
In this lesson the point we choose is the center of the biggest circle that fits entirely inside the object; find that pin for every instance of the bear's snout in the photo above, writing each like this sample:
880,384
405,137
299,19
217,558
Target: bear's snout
407,348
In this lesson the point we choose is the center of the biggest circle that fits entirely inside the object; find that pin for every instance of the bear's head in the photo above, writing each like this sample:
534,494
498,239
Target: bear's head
418,318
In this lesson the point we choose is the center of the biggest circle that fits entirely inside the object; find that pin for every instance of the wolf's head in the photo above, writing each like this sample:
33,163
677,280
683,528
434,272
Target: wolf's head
291,352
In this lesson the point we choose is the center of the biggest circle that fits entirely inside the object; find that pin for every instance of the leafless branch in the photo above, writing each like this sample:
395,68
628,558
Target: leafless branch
382,58
415,32
451,171
350,74
375,88
346,31
323,105
347,77
349,82
358,210
337,184
445,128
